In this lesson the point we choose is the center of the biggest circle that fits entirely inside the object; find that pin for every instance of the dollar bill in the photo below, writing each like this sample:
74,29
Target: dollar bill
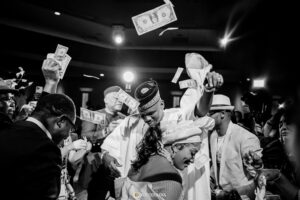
177,75
153,19
85,114
189,83
93,116
60,51
127,99
63,63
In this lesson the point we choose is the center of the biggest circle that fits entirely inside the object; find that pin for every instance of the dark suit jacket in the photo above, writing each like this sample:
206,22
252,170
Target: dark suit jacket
30,163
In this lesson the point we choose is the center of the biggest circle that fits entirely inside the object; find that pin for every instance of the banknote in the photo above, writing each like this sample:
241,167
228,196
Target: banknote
60,52
153,19
85,114
177,75
127,99
189,83
93,116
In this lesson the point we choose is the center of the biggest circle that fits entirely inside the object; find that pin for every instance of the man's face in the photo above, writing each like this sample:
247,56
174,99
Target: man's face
62,127
184,155
153,115
112,102
216,115
7,104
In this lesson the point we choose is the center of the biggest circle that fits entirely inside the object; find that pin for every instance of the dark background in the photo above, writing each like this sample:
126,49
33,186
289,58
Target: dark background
265,44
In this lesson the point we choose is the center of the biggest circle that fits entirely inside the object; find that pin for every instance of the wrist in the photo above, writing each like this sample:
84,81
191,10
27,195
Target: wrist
209,90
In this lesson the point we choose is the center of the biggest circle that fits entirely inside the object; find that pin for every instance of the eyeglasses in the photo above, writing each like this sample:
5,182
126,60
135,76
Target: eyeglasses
73,126
212,112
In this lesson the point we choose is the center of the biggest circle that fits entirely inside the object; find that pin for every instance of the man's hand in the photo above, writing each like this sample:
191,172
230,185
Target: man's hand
79,144
253,159
214,81
111,164
270,174
50,70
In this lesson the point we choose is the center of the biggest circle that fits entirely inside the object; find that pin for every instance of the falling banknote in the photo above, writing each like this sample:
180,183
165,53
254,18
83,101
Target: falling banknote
189,83
127,99
153,19
92,116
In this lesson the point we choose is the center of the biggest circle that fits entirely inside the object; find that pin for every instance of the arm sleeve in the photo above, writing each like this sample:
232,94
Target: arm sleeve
251,143
172,190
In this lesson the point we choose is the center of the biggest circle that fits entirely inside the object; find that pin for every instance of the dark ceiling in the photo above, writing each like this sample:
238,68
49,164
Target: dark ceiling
264,31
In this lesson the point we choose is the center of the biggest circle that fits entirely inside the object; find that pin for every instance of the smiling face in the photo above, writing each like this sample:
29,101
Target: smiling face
184,154
152,116
287,133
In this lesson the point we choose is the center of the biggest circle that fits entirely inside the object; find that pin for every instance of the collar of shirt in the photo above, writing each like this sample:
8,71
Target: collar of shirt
39,124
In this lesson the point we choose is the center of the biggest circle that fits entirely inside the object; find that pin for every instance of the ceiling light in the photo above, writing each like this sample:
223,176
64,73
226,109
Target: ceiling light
259,83
128,76
102,74
56,13
118,35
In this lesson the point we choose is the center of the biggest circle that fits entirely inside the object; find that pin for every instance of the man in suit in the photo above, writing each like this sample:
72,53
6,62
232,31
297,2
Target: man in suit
232,148
30,157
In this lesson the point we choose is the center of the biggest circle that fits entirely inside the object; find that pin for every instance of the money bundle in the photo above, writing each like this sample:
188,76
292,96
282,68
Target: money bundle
92,116
189,83
153,19
62,58
127,99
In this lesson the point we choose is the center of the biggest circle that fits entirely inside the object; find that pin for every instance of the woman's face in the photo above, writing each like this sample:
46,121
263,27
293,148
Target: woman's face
287,133
184,154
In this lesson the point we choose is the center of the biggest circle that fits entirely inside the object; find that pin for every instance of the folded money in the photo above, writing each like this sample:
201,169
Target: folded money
153,19
60,52
92,116
189,83
127,99
177,75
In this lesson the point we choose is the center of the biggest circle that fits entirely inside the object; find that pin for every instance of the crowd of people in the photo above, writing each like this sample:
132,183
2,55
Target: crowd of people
204,149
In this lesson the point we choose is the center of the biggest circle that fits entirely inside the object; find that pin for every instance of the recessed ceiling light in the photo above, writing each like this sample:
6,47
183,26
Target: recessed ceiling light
101,74
57,13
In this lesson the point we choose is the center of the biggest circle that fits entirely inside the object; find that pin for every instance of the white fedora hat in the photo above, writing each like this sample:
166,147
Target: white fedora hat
221,102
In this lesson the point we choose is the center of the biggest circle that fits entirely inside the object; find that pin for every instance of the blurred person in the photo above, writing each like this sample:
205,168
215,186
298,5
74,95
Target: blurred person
7,104
154,174
235,151
50,69
120,145
93,174
31,153
96,133
286,181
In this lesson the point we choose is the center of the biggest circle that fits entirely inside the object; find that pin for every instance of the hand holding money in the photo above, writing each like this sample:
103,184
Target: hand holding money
50,70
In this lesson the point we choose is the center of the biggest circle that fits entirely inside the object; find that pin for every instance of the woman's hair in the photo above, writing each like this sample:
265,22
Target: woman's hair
150,145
